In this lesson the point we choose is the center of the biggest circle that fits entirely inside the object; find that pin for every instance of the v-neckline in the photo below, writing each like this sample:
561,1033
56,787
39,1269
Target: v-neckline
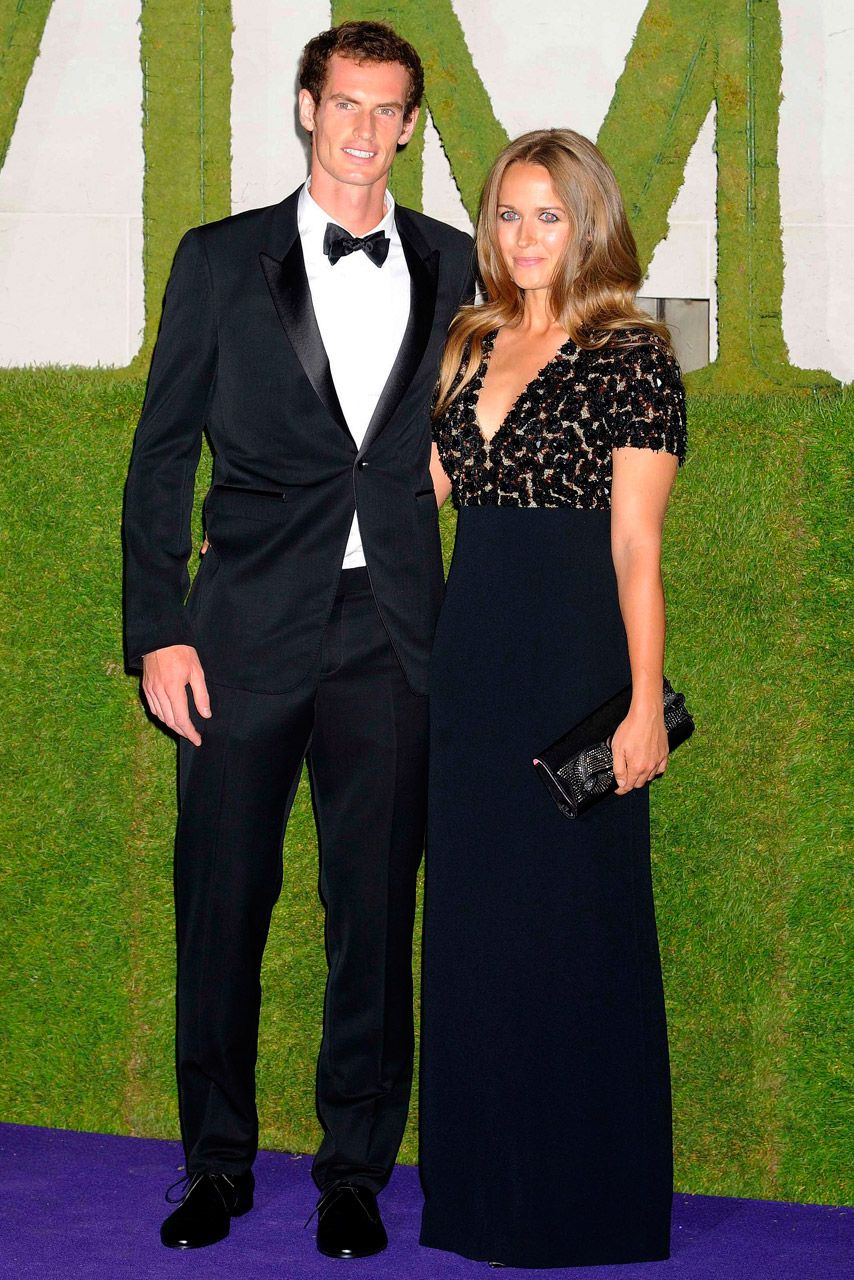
488,345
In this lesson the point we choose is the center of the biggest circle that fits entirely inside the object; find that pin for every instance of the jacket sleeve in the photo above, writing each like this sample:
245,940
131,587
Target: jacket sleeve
159,490
467,296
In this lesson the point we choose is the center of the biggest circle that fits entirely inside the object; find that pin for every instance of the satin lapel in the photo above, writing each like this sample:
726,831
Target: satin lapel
288,284
423,283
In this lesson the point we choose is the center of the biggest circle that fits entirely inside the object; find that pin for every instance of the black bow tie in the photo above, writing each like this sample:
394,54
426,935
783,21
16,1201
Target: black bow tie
337,243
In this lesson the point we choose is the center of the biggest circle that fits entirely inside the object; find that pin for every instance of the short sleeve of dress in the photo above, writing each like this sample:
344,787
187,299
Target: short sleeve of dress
650,413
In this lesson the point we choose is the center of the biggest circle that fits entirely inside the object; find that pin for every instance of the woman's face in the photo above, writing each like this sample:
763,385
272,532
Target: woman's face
533,227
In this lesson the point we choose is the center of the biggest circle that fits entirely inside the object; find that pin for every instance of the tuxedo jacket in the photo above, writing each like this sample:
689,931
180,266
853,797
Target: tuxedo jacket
239,356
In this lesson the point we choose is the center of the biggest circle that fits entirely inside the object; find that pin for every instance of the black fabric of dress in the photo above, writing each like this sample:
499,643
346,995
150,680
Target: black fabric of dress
545,1091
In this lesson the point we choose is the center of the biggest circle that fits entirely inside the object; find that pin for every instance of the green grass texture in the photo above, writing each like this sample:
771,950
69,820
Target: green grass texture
748,835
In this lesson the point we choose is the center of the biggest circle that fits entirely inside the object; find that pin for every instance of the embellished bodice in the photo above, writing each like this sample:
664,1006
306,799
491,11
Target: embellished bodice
553,448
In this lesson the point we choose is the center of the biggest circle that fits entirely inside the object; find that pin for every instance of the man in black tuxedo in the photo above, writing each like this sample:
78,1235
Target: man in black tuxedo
305,340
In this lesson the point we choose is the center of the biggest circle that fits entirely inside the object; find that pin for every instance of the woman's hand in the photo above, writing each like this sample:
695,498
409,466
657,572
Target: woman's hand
640,748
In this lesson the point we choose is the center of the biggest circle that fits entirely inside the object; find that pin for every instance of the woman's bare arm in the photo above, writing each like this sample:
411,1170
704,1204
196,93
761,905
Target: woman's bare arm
641,484
441,483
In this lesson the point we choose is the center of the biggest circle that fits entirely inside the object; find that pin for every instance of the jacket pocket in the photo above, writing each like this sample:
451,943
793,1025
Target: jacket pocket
266,506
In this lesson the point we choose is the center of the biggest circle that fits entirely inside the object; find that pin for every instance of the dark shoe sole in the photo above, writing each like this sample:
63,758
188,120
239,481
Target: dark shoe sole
185,1246
328,1253
205,1244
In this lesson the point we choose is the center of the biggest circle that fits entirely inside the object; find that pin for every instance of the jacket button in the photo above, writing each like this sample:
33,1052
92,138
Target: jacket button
361,465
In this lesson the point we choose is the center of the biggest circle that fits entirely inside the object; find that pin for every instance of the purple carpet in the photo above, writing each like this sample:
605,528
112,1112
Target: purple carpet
90,1205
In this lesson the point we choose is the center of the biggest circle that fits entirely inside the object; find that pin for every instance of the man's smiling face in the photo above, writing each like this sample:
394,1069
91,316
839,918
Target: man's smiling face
358,124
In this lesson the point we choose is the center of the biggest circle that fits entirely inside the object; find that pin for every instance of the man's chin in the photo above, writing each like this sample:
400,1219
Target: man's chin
356,175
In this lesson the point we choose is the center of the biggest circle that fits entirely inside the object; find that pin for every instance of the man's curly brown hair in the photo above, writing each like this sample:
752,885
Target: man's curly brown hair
362,42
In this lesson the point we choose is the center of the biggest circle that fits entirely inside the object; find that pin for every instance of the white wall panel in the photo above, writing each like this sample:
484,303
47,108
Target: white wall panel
684,264
441,196
269,154
819,282
71,194
550,64
816,149
65,288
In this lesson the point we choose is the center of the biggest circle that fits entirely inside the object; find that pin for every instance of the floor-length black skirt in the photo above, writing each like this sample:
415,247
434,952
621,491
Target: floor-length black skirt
545,1089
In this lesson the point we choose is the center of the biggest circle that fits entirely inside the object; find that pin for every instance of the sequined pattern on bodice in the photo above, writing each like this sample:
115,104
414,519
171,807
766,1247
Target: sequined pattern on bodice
553,448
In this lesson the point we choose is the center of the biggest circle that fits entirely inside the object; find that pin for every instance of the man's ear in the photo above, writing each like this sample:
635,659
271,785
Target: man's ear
307,108
409,128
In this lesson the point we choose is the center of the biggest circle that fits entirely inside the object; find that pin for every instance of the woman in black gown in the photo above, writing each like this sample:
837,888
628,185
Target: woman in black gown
545,1093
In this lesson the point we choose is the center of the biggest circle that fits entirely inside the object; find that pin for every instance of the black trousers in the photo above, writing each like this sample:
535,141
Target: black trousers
365,735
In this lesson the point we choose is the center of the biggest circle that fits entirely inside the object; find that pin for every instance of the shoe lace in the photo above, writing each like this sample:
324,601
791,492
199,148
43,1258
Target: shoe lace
332,1195
190,1181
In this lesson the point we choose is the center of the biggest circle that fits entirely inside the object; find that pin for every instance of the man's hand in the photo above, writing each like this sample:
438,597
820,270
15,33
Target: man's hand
165,676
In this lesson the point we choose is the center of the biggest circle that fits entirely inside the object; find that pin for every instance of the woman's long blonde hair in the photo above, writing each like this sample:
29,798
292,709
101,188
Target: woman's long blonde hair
592,292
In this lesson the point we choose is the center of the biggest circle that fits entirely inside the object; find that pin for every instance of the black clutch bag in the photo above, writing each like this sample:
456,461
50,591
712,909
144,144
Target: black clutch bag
578,769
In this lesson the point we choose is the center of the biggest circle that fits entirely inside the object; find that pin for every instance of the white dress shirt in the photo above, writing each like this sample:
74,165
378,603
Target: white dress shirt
362,311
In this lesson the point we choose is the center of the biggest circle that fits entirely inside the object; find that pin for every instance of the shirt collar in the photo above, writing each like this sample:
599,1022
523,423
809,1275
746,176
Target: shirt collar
312,220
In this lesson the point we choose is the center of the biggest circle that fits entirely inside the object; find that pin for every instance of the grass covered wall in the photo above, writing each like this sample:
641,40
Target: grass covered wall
747,828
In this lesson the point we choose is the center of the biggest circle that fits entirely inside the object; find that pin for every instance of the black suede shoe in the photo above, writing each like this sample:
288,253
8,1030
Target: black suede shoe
349,1223
207,1206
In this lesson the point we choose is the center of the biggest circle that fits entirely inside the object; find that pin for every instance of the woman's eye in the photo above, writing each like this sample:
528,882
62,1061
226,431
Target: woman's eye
507,215
548,217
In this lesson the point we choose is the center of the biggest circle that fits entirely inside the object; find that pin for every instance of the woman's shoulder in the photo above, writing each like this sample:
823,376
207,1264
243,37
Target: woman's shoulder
642,351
